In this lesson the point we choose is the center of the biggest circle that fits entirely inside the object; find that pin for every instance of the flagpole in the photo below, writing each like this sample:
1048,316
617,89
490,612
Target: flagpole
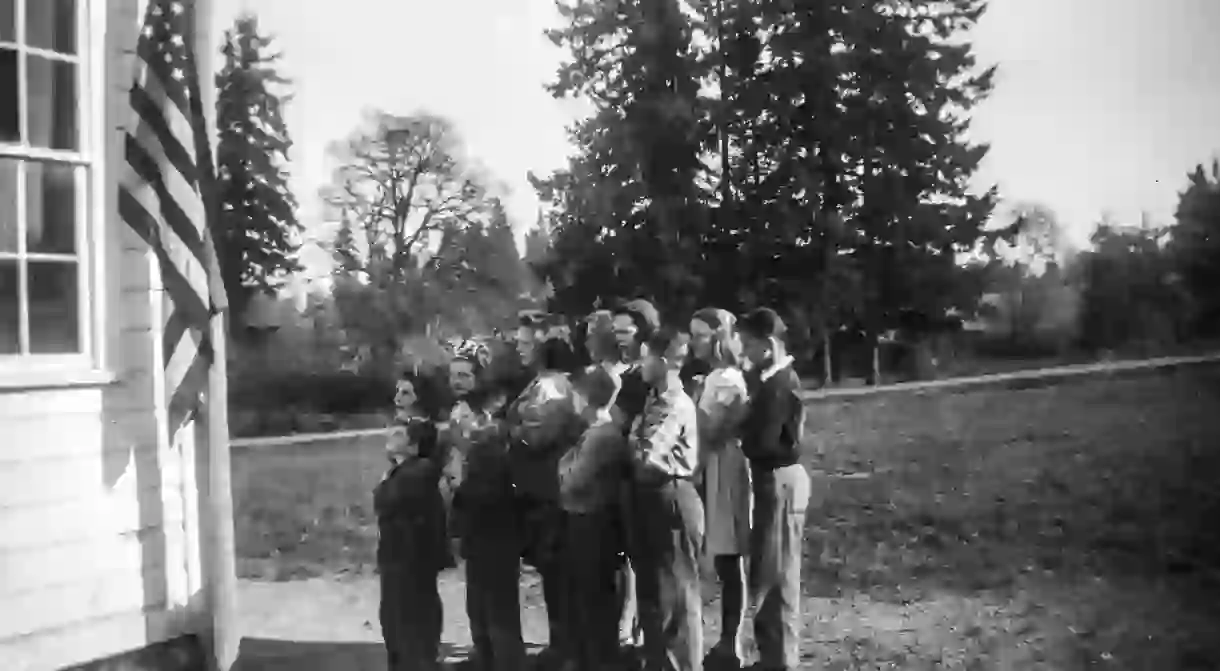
220,552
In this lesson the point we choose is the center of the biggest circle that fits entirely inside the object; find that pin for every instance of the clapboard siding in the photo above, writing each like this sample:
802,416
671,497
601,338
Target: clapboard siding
64,646
99,550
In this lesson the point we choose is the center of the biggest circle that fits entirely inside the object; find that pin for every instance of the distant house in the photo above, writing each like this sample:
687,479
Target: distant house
105,540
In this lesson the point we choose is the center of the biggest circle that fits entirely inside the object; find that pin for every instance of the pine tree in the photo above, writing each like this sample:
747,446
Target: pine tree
1195,245
258,228
632,207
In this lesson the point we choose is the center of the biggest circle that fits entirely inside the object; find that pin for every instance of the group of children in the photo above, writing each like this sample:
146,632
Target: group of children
591,473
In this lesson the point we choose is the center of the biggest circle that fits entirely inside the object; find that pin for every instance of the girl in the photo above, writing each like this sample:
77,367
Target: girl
543,423
412,548
723,470
771,440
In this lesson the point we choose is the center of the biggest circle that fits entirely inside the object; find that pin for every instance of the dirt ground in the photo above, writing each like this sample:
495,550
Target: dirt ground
322,624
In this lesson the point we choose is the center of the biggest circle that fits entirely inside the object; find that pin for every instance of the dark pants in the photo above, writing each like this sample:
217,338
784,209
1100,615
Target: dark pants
411,617
627,607
592,560
666,539
544,526
491,548
781,497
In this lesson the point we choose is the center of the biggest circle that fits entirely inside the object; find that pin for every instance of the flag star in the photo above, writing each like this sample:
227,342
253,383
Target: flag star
178,74
176,8
176,40
156,10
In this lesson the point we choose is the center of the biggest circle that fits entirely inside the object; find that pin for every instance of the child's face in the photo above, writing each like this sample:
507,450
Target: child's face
625,332
400,446
526,341
405,397
654,366
756,350
701,339
461,377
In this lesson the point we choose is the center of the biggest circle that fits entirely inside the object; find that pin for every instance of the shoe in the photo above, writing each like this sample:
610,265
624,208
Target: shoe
722,658
550,659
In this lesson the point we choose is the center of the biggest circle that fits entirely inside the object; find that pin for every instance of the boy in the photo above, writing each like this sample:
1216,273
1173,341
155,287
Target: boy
771,440
486,523
666,525
589,485
412,547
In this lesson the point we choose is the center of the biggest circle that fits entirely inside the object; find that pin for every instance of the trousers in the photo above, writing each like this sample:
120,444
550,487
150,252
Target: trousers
491,548
781,497
592,559
411,617
543,525
666,530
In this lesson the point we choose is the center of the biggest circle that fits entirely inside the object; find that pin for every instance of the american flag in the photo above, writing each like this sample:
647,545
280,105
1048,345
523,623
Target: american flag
164,195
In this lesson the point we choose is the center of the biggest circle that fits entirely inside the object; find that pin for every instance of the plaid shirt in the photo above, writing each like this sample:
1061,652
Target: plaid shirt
664,438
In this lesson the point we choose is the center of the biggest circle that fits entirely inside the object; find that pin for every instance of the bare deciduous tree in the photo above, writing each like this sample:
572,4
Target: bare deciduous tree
400,181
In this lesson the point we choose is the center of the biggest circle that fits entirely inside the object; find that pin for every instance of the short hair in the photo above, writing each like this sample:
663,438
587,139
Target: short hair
763,323
556,354
599,386
669,343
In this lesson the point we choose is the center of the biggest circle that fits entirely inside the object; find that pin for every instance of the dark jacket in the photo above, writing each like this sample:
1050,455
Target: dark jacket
542,424
771,433
632,395
411,516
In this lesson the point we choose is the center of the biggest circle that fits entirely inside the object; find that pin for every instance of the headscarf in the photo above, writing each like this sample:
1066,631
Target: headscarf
474,351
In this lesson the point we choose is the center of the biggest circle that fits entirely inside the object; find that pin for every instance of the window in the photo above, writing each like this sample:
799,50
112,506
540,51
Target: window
46,176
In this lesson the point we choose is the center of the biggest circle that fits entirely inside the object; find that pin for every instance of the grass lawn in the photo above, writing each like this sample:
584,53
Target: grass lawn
1064,527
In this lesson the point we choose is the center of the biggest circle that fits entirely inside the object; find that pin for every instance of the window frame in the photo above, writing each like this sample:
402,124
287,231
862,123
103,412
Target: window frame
88,364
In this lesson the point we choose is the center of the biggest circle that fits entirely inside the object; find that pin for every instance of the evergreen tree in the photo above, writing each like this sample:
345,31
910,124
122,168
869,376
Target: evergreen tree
1195,245
258,229
632,207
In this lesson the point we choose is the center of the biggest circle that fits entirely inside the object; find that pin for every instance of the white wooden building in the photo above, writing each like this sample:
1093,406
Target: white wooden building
111,540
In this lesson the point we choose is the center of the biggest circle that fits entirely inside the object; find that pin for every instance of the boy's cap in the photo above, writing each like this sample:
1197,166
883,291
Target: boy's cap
762,323
599,386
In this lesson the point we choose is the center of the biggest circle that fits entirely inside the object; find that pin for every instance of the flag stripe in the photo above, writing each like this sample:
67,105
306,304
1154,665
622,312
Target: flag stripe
170,129
185,263
175,283
174,197
161,198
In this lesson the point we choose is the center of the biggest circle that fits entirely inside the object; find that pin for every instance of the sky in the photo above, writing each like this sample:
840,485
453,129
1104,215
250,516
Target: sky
1101,106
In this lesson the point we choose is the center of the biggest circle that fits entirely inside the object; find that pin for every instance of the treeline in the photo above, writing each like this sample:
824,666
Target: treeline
810,156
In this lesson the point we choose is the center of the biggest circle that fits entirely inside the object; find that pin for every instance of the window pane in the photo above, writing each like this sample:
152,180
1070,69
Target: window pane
8,205
10,331
52,104
54,315
51,24
10,107
50,208
10,308
8,20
